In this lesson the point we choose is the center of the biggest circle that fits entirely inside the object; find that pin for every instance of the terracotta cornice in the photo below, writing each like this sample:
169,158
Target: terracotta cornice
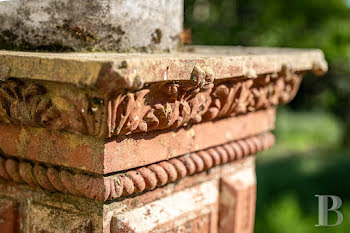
157,106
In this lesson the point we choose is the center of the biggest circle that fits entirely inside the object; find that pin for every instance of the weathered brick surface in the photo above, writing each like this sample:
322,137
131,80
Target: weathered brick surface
237,202
49,220
191,210
8,216
201,224
107,70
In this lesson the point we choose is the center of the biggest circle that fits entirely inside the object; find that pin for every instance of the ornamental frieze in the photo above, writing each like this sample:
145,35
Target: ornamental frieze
157,106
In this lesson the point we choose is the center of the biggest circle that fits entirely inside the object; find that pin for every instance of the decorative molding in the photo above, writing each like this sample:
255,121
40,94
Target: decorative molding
102,188
26,103
51,178
159,106
176,104
50,105
165,105
162,105
162,173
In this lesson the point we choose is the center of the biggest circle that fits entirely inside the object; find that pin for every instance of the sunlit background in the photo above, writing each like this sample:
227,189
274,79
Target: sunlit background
312,152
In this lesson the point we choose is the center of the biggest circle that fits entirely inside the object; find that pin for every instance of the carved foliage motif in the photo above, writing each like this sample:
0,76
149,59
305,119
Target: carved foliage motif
24,104
162,106
171,105
165,105
234,98
38,105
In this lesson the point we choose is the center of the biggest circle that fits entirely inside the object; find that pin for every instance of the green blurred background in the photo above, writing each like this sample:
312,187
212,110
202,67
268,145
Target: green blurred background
312,151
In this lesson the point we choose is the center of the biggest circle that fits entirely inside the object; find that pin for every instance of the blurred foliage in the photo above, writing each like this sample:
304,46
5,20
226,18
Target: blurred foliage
311,154
320,24
287,187
302,132
306,160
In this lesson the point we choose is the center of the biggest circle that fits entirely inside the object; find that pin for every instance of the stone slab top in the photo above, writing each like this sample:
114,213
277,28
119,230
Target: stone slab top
132,70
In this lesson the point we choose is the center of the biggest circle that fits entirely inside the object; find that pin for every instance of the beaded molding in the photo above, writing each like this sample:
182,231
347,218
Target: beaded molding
102,188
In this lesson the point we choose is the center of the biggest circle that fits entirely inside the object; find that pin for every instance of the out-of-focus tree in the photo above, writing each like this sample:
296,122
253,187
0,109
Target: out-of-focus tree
323,24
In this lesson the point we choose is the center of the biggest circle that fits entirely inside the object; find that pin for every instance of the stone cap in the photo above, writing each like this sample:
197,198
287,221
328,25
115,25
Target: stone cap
94,25
132,70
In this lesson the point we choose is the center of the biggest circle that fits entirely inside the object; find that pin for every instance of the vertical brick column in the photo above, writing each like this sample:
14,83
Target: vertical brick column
237,201
8,216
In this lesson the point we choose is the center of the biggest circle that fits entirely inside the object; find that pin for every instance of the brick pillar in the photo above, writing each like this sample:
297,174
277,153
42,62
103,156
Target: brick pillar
237,201
97,142
8,216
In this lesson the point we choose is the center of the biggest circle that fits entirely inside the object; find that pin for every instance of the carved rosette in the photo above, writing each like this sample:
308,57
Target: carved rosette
157,106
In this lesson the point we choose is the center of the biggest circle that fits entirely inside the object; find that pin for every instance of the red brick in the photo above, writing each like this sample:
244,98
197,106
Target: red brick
135,150
237,202
8,216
